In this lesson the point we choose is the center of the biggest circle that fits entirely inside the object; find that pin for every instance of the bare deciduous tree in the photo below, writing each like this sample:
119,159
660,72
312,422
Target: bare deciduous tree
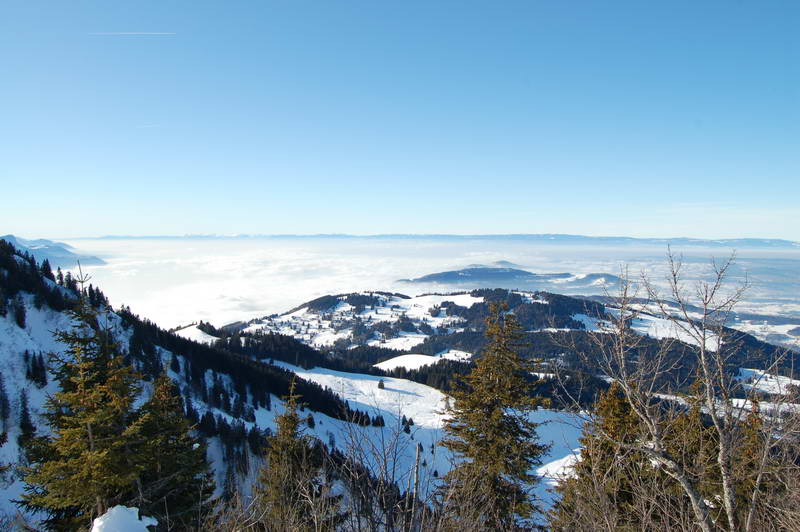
692,320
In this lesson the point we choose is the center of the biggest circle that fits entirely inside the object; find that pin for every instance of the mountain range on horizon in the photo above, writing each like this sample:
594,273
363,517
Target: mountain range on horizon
547,238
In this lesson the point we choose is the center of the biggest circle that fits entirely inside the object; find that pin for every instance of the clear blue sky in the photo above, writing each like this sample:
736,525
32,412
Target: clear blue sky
678,118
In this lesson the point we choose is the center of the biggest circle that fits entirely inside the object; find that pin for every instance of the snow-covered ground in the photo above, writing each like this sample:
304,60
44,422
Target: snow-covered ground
426,406
409,362
191,332
36,338
122,519
652,326
416,361
766,383
324,328
399,398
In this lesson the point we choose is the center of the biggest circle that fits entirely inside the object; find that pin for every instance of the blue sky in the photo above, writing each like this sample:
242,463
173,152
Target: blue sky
601,118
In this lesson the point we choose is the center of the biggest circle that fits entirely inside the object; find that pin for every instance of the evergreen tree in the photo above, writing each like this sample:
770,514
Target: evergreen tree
290,492
600,490
616,487
26,427
46,270
5,405
20,313
175,485
490,431
85,465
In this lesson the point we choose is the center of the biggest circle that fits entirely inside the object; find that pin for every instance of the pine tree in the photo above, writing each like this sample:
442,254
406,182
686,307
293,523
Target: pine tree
600,490
290,492
85,465
20,314
25,423
46,270
489,429
175,485
5,406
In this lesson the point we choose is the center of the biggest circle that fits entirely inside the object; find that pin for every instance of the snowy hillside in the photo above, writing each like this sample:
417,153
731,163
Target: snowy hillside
416,361
17,346
191,332
424,329
326,321
398,399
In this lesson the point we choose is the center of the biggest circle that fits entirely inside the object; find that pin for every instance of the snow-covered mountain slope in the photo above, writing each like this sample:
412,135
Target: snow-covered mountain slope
17,348
416,361
428,325
392,321
191,332
426,407
399,399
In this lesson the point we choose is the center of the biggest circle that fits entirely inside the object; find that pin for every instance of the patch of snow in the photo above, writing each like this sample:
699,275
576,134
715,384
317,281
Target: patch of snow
122,519
662,328
455,354
416,361
407,362
402,342
764,382
191,332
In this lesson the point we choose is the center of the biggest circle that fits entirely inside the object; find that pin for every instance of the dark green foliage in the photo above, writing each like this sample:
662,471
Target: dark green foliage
26,427
20,314
84,467
489,430
602,486
46,270
36,369
22,274
618,485
5,405
175,485
291,492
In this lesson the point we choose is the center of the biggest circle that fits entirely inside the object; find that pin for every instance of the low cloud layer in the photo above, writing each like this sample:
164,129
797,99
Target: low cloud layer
177,281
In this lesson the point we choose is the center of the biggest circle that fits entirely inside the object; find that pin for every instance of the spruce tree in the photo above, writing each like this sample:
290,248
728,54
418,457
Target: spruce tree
20,314
84,466
5,406
600,488
290,492
489,430
25,423
175,485
47,270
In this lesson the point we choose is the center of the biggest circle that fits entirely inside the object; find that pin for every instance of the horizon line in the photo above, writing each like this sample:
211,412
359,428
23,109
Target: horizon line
432,235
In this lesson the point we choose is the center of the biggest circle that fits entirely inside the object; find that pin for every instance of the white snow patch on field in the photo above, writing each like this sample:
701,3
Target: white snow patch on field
416,361
662,328
191,332
407,362
455,354
764,382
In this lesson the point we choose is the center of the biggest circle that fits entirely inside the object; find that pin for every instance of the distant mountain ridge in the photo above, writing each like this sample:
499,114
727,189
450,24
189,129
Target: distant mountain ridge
544,238
58,254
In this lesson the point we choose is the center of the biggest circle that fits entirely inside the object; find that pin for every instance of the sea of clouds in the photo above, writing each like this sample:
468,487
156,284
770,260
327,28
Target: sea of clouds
176,281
